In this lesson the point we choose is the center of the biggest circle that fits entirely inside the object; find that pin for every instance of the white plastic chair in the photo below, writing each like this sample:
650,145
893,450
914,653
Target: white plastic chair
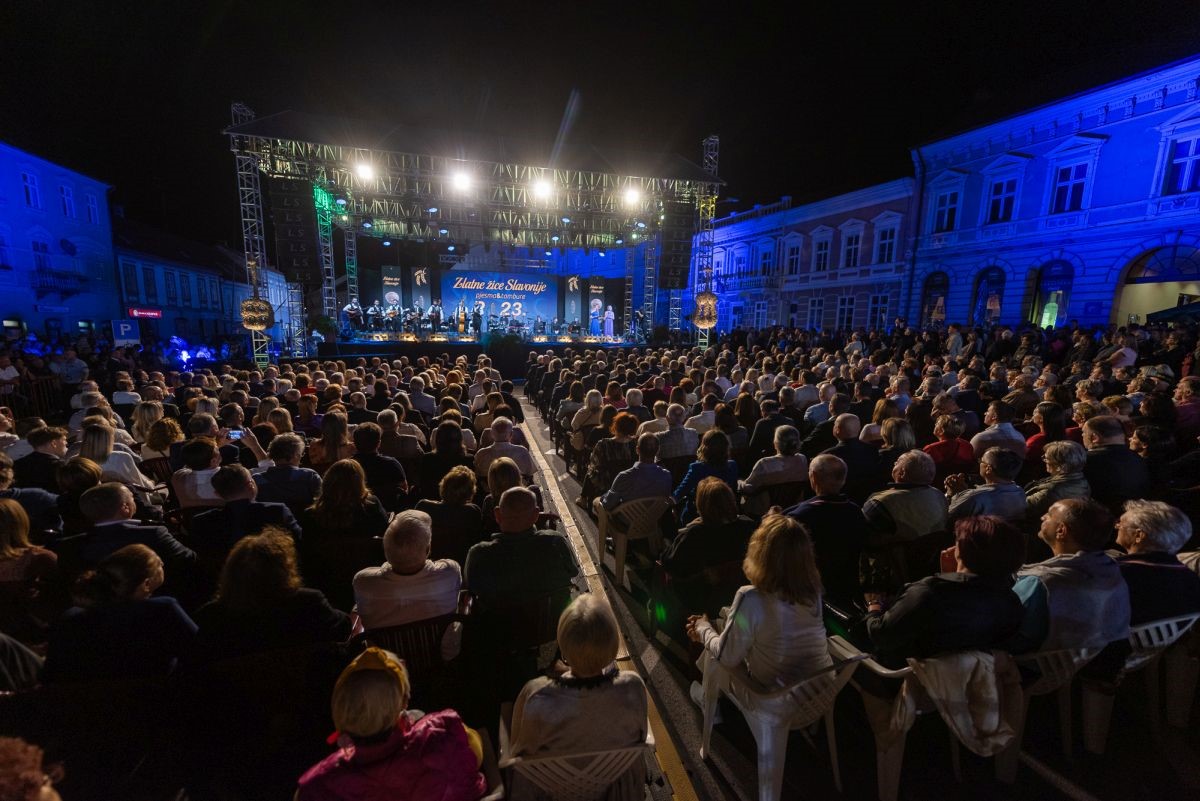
490,769
580,776
632,520
1055,671
1182,663
771,714
1149,641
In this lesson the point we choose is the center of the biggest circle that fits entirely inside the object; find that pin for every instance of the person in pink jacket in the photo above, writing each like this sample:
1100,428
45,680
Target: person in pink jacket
387,750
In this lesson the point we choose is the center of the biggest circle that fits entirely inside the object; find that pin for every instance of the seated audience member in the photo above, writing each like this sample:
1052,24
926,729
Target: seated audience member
821,438
837,528
1160,586
999,431
216,531
385,475
1051,420
1076,598
334,443
787,466
883,409
972,608
774,627
37,468
345,508
409,586
502,445
162,435
712,459
1155,445
861,458
286,481
456,522
898,438
116,630
1064,462
520,563
1115,473
951,453
676,441
998,495
464,424
40,506
658,423
307,421
448,452
394,443
593,706
261,604
611,456
634,405
716,538
96,443
33,592
75,477
644,479
386,751
193,482
110,507
904,512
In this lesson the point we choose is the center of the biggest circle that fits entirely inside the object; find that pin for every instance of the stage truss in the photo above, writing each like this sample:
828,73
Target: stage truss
253,242
422,197
702,251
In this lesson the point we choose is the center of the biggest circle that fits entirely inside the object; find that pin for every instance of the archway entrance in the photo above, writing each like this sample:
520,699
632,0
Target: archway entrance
989,293
933,299
1160,278
1053,293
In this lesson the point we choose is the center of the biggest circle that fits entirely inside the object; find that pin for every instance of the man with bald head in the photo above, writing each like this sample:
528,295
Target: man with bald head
861,459
837,527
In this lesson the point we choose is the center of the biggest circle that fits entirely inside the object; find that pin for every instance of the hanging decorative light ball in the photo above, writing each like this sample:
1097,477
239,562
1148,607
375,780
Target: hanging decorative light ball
257,314
706,311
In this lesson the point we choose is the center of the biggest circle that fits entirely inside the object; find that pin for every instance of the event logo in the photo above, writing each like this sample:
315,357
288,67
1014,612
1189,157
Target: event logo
573,283
421,277
509,285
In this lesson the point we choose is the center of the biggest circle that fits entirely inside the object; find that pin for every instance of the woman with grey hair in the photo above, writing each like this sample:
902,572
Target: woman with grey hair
1064,462
787,466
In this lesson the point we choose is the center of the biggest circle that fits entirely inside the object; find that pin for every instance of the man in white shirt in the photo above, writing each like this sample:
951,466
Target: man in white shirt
999,432
659,423
707,418
409,586
502,430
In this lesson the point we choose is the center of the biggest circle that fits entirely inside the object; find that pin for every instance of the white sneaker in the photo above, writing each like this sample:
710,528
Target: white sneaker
696,692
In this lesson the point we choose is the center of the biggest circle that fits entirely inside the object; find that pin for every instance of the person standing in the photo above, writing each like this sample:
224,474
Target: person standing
609,317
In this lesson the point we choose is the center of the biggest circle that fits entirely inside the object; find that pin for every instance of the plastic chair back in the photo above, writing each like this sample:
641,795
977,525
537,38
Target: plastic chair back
1055,669
418,643
1151,639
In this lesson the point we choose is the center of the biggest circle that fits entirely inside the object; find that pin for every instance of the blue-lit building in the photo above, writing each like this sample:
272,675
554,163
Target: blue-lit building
56,253
1087,208
841,262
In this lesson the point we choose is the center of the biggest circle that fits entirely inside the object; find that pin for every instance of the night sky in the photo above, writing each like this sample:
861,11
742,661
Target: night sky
810,101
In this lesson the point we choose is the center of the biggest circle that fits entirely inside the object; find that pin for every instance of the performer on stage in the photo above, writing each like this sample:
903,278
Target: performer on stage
391,317
354,314
609,317
435,315
477,318
594,324
539,326
460,316
375,315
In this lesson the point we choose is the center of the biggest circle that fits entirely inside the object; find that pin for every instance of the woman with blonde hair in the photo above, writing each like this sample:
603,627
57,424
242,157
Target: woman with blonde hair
145,415
385,751
96,443
885,409
162,435
31,573
265,407
774,627
282,420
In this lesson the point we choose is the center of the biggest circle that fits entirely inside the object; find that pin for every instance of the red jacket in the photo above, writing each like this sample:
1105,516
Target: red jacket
427,760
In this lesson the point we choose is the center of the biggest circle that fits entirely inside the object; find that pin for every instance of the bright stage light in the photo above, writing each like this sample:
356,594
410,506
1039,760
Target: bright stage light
387,243
548,253
633,235
432,209
601,254
566,220
365,171
554,238
443,231
341,201
461,181
345,217
620,241
450,248
541,189
641,224
366,224
632,196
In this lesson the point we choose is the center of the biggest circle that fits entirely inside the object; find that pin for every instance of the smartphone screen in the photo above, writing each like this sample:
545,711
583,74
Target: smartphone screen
236,434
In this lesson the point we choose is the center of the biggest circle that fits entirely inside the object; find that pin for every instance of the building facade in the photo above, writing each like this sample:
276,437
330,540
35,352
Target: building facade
839,263
56,250
1084,209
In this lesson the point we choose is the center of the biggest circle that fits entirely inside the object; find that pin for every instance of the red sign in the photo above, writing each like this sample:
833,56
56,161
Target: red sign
153,314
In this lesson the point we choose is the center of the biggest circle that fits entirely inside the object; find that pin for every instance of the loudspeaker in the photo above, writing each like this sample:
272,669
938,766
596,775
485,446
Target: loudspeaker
675,258
294,217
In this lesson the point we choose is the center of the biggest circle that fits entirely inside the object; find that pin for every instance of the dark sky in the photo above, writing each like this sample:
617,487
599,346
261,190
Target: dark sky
809,98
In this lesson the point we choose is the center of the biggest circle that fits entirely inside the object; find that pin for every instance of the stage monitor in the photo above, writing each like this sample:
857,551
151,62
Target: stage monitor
503,295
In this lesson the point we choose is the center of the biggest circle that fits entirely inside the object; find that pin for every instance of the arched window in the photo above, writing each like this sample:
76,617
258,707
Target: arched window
1171,263
933,299
989,294
1053,292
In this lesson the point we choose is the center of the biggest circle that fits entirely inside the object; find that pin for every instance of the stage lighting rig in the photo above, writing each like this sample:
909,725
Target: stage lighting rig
365,171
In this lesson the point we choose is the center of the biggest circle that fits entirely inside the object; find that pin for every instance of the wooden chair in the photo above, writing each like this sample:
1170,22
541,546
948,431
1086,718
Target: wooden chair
773,713
576,776
632,520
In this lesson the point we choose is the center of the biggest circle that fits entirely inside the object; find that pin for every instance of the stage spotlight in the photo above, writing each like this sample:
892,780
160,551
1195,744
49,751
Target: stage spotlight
366,224
461,181
633,235
387,243
345,217
632,196
548,253
554,238
541,189
566,220
365,171
341,201
450,248
620,241
600,254
641,224
443,231
432,210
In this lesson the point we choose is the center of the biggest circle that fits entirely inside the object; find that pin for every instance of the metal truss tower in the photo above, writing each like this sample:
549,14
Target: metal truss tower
296,330
351,241
324,206
627,311
650,280
706,210
253,242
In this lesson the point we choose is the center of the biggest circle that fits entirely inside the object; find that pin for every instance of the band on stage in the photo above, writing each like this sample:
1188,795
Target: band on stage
473,321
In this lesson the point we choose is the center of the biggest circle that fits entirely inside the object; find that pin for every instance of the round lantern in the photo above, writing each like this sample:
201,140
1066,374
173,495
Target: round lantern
706,311
257,314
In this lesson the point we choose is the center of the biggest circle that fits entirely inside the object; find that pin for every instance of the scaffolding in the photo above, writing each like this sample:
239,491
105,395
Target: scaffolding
627,310
297,333
253,242
650,279
324,206
706,210
351,252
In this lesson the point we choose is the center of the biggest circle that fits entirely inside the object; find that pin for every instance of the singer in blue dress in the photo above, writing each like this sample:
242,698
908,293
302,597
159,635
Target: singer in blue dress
609,316
594,325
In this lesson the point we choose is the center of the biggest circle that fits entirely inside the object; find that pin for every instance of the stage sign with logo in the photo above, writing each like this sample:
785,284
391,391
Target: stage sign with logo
525,297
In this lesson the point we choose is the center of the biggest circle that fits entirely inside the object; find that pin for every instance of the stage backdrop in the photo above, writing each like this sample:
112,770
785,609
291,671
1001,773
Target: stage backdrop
525,296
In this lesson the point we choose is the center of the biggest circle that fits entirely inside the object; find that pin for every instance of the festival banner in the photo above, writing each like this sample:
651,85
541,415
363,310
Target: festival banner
527,298
573,299
393,291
